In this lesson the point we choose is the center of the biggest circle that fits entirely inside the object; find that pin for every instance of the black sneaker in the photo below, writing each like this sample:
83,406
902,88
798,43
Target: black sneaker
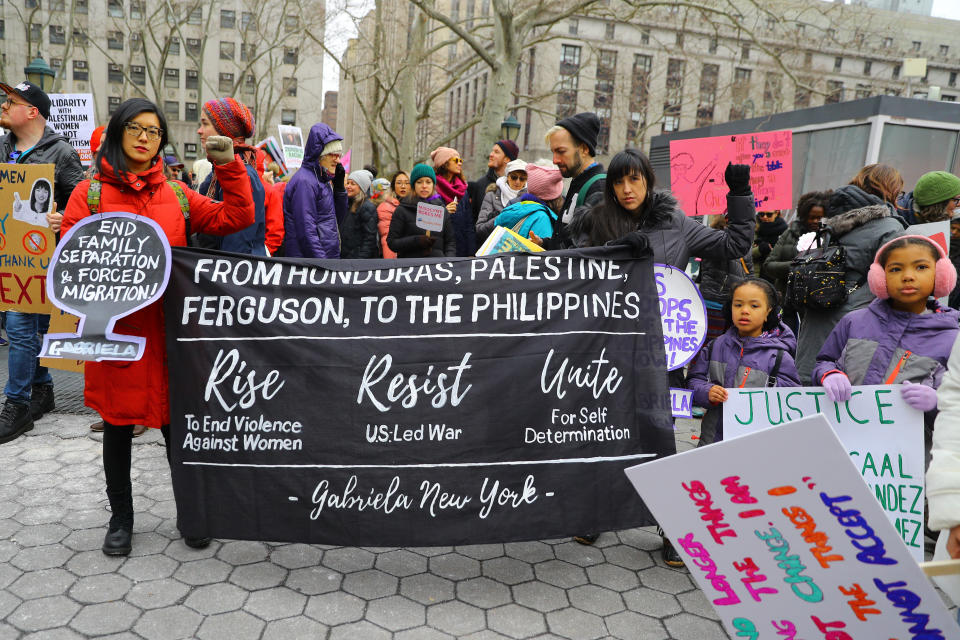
41,400
670,555
15,420
586,538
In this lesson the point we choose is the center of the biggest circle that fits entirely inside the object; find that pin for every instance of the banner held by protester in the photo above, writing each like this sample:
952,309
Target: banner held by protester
421,402
26,242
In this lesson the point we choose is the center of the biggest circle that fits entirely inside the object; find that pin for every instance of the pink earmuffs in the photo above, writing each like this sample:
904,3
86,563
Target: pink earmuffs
945,277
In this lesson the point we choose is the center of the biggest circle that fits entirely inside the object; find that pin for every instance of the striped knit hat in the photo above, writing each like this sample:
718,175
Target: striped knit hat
230,118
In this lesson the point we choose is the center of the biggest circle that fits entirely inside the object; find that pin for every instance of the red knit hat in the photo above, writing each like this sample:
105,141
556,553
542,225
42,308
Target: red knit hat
95,139
230,118
544,182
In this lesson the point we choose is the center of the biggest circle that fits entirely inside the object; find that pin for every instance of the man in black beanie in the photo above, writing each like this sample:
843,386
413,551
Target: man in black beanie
573,142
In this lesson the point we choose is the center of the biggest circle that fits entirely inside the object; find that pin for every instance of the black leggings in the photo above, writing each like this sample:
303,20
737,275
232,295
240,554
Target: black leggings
117,439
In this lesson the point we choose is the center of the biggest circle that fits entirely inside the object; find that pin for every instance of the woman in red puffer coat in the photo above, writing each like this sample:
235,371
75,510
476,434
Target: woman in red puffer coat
130,173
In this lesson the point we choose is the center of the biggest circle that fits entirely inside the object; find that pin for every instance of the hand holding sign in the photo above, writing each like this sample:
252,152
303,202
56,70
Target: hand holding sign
430,217
106,267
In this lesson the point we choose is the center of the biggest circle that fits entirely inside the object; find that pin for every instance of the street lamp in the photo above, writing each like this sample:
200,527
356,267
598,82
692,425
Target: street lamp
38,71
510,128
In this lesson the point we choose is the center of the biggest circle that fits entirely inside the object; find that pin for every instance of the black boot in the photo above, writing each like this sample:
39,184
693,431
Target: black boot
41,400
15,420
117,542
116,468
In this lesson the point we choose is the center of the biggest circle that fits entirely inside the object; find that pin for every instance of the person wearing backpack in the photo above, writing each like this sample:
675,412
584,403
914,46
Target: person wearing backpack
859,223
130,179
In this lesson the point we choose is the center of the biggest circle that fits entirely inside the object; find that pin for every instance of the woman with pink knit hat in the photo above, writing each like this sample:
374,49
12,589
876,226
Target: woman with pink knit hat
536,210
452,189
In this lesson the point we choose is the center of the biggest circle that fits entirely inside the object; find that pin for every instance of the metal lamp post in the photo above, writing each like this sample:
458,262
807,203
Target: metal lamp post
510,128
39,73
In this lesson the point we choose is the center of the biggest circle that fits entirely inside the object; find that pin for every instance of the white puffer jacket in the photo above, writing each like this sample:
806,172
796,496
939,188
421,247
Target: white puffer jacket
943,476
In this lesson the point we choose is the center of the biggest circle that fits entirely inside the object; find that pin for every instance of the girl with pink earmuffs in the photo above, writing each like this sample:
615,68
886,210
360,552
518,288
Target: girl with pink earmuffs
902,337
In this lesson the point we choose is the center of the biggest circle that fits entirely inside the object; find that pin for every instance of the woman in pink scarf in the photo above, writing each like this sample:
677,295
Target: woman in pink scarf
450,183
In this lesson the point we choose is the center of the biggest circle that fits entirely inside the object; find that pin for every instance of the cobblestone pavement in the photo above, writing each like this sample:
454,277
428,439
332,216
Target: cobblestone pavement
56,584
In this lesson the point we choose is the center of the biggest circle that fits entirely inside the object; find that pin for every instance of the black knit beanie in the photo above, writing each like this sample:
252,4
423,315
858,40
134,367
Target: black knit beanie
585,128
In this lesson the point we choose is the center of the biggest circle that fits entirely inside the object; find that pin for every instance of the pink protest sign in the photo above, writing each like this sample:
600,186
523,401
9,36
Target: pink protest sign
697,166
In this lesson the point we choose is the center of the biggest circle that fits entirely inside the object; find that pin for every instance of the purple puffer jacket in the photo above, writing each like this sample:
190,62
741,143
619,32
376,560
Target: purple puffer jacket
732,362
880,345
311,209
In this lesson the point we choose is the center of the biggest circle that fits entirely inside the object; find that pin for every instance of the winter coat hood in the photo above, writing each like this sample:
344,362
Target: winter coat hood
320,136
845,222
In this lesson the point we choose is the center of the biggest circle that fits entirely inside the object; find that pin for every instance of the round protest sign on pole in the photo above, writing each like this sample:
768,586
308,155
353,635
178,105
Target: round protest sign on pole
106,267
683,315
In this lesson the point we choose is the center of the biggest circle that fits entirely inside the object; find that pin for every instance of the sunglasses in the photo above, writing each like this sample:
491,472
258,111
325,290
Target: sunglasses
767,214
457,160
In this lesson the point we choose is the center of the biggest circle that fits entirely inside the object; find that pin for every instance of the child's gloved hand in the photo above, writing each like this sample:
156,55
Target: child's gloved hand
919,396
837,385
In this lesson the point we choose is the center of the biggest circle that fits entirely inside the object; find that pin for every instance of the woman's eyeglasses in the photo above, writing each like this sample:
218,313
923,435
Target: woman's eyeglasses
135,130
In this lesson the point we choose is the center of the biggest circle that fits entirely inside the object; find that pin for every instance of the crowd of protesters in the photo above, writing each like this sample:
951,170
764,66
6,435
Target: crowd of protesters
889,327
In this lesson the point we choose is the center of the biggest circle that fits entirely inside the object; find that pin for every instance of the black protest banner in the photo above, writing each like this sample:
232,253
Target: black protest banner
105,267
414,402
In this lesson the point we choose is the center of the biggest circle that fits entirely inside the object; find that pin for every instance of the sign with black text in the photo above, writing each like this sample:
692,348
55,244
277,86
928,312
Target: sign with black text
413,402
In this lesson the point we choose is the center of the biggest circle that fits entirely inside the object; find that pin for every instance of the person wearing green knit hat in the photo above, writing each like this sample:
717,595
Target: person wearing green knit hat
409,240
936,196
422,171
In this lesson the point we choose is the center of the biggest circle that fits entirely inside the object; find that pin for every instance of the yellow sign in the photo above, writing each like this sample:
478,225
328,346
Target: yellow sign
26,242
62,322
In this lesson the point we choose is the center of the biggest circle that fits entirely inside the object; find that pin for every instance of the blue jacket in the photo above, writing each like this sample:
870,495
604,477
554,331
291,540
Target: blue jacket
311,208
539,217
464,230
250,240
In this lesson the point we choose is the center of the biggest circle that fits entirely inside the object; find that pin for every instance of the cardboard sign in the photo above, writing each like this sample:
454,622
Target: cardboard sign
106,267
62,322
425,402
785,540
697,167
503,240
291,139
882,434
430,217
681,403
71,115
683,315
26,242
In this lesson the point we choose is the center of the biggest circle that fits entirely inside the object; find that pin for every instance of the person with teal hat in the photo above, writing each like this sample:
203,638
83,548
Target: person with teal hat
405,237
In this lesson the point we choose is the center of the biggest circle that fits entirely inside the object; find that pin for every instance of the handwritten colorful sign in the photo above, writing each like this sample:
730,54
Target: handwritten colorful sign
785,540
681,403
26,243
697,166
882,434
683,315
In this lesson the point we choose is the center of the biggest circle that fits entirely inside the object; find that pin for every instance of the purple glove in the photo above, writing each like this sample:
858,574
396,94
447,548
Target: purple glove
919,396
837,386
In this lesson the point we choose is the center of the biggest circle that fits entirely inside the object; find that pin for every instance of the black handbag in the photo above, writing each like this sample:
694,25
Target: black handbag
817,276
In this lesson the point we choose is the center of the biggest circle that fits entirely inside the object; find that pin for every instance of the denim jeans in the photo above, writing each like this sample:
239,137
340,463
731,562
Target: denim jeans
23,332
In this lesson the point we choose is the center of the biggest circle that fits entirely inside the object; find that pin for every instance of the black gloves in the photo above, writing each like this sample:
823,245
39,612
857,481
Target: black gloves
737,177
339,178
426,241
636,241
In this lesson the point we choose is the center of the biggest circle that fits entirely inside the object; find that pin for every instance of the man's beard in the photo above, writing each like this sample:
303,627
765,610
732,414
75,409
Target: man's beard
574,170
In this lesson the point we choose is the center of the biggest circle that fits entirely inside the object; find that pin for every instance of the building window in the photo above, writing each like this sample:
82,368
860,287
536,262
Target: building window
228,18
772,92
80,71
250,84
678,39
864,91
138,75
639,95
573,26
191,113
190,148
246,17
709,79
834,92
947,98
114,73
645,36
291,22
173,46
137,9
887,43
603,95
953,79
80,36
193,79
896,71
801,99
291,55
740,94
290,87
196,16
944,50
171,78
611,30
227,50
194,46
3,29
714,43
838,63
57,34
569,81
832,33
745,52
808,59
56,64
226,83
671,106
115,40
36,32
247,52
136,42
112,103
288,116
115,8
916,45
171,109
80,6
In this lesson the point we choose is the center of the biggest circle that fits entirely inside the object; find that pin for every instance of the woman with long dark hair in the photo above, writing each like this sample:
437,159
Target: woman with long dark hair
129,176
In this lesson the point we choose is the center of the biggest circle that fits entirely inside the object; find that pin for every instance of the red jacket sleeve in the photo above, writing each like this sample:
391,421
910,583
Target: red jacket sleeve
274,217
237,210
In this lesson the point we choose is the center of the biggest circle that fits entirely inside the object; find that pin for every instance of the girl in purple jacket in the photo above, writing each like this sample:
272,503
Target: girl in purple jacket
904,336
757,351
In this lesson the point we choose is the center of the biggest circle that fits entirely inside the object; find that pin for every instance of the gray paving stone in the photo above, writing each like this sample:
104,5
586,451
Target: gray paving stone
84,540
260,575
540,596
455,618
396,613
295,629
455,566
8,574
516,621
205,571
86,519
422,633
483,592
560,574
148,568
168,623
645,539
486,634
401,563
314,580
147,542
370,584
296,556
335,608
156,594
573,623
652,603
429,552
108,617
427,588
532,552
666,580
41,534
8,602
276,603
687,626
48,634
8,548
357,630
508,570
236,625
579,554
613,577
238,552
480,551
41,514
696,602
88,563
593,598
40,584
179,551
628,557
216,598
348,559
44,557
100,588
43,613
628,625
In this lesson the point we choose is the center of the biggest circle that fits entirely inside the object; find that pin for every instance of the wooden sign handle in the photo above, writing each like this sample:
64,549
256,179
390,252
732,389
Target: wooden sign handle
941,567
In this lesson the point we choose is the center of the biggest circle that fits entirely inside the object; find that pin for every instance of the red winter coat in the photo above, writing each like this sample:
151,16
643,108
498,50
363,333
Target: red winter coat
138,392
274,215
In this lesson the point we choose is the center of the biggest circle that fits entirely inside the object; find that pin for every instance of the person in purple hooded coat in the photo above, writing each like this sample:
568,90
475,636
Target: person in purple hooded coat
315,200
756,351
